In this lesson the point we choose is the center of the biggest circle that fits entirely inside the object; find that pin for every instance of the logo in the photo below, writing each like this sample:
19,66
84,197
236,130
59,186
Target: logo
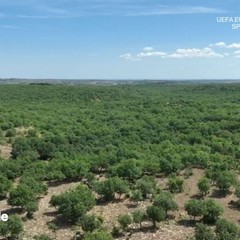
3,217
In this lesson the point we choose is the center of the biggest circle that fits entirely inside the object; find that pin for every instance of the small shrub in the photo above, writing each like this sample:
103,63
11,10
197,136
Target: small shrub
124,220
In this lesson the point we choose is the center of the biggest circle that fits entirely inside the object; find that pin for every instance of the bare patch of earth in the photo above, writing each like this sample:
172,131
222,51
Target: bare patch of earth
5,151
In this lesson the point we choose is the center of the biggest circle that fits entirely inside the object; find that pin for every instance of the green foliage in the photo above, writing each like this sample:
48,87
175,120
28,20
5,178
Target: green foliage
136,195
138,216
165,201
124,220
23,196
109,187
146,185
67,169
201,158
195,208
74,204
170,164
215,169
90,223
12,169
226,230
175,184
202,232
209,209
213,211
155,214
52,226
204,186
129,170
121,131
6,125
225,180
42,237
31,207
10,133
37,187
5,186
12,228
96,120
98,235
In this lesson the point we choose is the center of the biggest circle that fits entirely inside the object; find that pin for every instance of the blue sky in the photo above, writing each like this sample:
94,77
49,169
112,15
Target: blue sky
119,39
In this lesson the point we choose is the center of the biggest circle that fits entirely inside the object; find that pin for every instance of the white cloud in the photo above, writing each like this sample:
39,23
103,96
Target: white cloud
12,27
175,55
195,53
139,56
223,44
126,56
237,52
151,54
234,45
148,49
129,57
220,44
167,10
179,53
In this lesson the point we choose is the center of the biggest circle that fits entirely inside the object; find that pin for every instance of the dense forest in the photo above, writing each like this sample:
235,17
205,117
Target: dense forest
133,144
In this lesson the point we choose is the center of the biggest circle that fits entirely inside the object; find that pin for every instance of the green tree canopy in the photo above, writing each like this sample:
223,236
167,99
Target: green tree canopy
155,214
165,201
74,204
204,186
195,208
98,235
12,228
202,232
124,220
5,186
213,211
226,230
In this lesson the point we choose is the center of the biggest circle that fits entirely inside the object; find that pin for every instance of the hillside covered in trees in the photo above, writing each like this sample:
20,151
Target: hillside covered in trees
120,162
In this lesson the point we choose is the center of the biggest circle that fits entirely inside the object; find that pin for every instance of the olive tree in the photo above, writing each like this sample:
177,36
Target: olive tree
195,208
204,186
74,204
155,214
165,201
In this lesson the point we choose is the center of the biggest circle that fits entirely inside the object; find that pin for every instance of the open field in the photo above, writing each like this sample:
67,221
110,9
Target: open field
68,152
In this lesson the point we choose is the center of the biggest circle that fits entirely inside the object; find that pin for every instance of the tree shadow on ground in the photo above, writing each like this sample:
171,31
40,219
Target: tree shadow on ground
14,210
146,229
142,229
57,183
104,202
197,196
50,214
219,194
132,205
187,222
235,205
61,223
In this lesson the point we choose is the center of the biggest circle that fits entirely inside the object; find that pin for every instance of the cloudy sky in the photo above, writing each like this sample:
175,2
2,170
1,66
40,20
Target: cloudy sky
120,39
